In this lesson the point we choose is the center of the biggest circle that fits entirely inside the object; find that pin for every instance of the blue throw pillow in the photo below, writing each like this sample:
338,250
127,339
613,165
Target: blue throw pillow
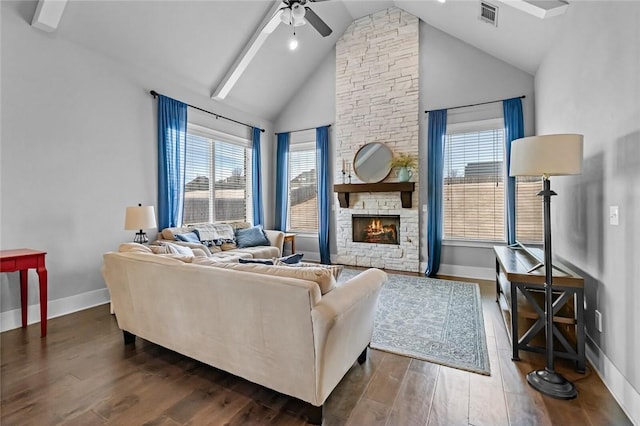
261,261
292,258
189,237
252,237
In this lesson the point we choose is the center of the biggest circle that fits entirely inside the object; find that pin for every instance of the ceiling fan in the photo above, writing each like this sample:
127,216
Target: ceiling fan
296,13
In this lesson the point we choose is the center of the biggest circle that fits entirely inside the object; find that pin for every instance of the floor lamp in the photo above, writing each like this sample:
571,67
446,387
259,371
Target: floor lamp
546,156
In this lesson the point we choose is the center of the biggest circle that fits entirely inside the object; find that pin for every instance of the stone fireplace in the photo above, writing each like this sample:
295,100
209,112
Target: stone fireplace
377,85
384,229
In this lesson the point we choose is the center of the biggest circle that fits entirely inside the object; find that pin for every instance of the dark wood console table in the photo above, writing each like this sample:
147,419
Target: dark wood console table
520,294
22,260
404,188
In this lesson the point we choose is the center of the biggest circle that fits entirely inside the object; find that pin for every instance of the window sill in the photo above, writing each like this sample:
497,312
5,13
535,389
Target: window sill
474,244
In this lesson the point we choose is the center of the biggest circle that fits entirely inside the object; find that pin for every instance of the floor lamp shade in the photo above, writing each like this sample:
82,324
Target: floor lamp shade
140,217
547,155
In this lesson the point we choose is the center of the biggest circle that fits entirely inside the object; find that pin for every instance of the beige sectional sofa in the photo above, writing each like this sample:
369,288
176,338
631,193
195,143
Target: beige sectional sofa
271,325
224,231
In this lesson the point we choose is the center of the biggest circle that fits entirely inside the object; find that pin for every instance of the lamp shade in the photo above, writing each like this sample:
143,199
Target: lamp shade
140,217
546,155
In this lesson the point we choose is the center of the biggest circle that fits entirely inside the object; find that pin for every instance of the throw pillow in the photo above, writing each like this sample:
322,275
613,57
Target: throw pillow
178,249
189,237
292,259
261,261
252,237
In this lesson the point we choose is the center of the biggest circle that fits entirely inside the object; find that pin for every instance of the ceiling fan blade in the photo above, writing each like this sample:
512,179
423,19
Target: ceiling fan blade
317,23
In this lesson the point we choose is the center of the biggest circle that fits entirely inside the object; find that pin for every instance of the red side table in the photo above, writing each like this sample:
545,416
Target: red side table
22,260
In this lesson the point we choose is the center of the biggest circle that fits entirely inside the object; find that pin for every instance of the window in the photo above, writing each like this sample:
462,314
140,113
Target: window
529,226
474,187
217,177
303,195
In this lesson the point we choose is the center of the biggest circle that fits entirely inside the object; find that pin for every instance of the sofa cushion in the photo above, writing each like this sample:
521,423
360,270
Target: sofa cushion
259,252
134,248
252,237
150,257
169,233
188,237
321,276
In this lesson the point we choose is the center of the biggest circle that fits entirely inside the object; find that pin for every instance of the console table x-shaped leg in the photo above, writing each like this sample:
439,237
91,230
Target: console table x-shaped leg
563,295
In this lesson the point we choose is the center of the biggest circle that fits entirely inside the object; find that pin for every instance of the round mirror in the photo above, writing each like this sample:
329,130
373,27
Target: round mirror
371,162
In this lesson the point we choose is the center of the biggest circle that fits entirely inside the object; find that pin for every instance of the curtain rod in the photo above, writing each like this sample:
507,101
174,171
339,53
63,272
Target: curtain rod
156,94
470,105
303,130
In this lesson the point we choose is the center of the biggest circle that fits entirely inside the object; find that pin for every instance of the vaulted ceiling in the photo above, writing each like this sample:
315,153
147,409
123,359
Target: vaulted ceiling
197,42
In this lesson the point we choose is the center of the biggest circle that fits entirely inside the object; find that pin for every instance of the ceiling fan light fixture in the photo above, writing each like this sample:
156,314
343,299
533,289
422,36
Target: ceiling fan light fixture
285,16
297,11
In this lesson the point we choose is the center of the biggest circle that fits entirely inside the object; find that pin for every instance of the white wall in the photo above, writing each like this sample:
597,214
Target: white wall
589,83
78,146
314,105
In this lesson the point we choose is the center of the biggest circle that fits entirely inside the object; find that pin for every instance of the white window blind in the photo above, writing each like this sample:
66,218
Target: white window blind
529,226
303,195
217,177
473,196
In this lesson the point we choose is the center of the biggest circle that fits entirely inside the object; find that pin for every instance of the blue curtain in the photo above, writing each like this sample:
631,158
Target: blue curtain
435,171
324,192
172,141
282,181
256,185
513,129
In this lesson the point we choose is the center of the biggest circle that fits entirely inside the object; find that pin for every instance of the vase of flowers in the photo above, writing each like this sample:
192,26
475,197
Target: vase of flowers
404,164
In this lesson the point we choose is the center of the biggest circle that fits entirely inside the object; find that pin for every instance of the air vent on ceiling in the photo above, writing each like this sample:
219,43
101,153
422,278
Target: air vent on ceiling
489,13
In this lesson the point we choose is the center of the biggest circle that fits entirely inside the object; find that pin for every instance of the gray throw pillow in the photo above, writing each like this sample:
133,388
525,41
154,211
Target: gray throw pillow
252,237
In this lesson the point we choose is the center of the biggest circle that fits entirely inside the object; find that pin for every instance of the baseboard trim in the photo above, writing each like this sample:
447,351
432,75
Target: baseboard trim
462,271
59,307
623,392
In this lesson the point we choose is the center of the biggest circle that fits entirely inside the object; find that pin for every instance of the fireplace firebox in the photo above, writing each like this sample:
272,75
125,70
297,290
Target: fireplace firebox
379,229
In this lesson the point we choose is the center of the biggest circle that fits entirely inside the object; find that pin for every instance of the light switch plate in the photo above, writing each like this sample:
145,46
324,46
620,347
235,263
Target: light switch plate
614,218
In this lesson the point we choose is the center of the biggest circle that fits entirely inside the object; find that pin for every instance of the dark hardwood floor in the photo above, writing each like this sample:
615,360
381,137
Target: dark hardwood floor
82,374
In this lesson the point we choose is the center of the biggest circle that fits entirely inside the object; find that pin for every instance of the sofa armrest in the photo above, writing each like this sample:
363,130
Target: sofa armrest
198,246
276,238
343,325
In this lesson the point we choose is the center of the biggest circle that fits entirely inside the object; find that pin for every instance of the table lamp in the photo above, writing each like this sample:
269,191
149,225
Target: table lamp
140,217
546,156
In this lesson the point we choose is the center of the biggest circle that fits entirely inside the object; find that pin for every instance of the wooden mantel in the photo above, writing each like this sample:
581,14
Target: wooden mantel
404,188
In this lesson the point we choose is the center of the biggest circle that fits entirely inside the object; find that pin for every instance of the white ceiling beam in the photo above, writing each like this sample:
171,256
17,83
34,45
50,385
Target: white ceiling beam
48,14
266,27
540,8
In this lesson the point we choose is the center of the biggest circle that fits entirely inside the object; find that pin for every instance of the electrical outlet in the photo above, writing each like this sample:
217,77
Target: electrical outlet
598,317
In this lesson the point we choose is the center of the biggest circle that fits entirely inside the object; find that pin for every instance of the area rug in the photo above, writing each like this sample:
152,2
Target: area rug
433,320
